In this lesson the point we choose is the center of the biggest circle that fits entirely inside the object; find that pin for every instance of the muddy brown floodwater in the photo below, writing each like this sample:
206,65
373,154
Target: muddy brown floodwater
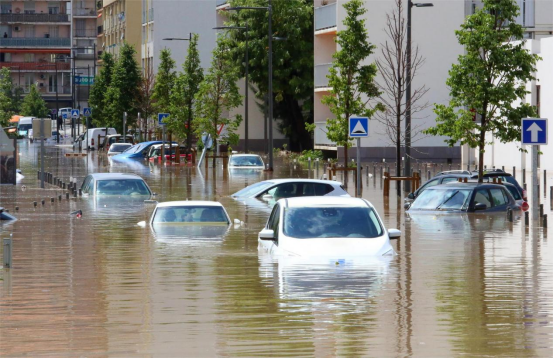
460,285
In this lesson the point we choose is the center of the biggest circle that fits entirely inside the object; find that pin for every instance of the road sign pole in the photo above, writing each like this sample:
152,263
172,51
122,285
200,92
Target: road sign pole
358,167
41,153
124,124
535,184
163,145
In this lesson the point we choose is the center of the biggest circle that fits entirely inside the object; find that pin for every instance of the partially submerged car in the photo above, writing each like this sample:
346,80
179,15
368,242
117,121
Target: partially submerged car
464,197
292,187
246,161
138,151
115,184
155,153
117,148
326,226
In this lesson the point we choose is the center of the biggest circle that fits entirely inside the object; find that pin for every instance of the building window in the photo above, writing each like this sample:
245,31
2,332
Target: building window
52,82
29,80
29,57
54,31
29,7
53,9
29,31
5,8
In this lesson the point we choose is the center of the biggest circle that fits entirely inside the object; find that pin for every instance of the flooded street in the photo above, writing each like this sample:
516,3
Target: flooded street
460,285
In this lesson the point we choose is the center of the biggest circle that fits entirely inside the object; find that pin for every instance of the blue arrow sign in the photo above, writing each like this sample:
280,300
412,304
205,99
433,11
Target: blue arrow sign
534,131
161,117
358,127
75,113
87,112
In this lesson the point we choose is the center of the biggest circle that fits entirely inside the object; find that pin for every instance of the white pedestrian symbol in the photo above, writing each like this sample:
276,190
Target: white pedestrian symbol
359,129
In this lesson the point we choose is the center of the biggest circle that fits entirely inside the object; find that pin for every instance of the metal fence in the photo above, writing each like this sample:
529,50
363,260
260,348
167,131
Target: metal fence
321,71
35,41
325,16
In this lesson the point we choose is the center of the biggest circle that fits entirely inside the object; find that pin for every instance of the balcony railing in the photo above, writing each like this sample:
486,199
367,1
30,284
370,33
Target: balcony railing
325,17
220,2
320,135
321,71
86,32
85,12
35,42
36,66
46,89
34,18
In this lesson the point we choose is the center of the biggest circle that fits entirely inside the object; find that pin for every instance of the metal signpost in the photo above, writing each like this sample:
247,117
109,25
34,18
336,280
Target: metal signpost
358,127
87,112
75,113
534,133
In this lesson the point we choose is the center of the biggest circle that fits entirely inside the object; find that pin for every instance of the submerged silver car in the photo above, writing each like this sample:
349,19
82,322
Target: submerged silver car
115,184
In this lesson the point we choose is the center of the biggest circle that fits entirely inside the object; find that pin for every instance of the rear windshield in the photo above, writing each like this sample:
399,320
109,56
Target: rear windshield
118,148
190,214
328,222
246,161
131,187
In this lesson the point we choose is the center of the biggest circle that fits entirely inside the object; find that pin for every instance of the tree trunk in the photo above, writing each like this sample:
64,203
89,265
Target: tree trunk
481,146
188,129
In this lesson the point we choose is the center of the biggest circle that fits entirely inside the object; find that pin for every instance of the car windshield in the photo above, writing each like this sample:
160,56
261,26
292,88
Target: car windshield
126,187
25,127
442,199
190,214
118,147
246,161
253,189
331,222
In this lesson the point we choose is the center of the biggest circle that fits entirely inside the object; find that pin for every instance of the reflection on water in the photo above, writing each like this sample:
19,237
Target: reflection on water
461,285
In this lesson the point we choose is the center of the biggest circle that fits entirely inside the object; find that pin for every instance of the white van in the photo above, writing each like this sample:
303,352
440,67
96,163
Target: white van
24,125
66,110
90,139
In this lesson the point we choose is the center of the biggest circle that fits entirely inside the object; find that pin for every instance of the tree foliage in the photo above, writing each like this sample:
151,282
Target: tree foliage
99,89
164,81
217,96
292,21
121,93
351,81
489,80
34,105
183,106
6,97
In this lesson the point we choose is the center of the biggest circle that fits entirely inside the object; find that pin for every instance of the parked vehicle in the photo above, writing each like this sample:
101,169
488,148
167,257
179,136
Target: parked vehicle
465,197
190,212
452,176
117,138
118,148
246,161
94,136
155,153
65,110
138,151
292,187
115,184
24,125
326,226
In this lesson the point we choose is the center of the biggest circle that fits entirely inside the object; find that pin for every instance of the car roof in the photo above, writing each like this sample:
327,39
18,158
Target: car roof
287,180
189,204
471,185
112,176
315,201
245,155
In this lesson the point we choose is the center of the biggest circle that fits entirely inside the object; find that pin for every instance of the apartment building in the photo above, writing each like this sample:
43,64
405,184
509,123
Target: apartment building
121,22
433,31
35,44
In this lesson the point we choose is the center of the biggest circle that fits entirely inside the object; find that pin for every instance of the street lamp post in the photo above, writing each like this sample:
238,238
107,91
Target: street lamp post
246,112
407,169
188,134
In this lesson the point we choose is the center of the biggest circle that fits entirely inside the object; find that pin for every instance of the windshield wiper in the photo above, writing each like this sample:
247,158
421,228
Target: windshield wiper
450,197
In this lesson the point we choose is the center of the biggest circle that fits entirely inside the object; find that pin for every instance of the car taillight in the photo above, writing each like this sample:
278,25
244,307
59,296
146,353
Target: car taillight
525,206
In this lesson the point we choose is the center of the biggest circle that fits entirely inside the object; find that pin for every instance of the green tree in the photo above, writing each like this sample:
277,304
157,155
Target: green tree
183,100
292,22
217,96
164,81
488,80
6,96
124,87
99,89
351,82
34,105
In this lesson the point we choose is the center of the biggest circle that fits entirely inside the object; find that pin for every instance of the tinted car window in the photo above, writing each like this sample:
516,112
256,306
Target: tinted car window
483,196
498,197
514,192
449,179
189,214
316,189
122,187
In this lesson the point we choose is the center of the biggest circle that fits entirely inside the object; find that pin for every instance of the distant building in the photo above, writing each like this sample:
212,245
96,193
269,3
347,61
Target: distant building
121,23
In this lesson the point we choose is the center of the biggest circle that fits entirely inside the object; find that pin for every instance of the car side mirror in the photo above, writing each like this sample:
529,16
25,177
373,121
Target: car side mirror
480,207
406,205
411,196
394,233
267,235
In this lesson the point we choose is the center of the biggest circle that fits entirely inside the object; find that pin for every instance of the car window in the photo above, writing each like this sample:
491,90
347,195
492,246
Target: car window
246,161
457,201
514,192
190,214
483,196
85,188
287,190
122,187
272,217
316,189
449,179
498,197
431,183
441,199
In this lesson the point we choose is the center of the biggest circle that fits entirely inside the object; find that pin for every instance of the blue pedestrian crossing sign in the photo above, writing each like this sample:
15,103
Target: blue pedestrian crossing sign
358,127
534,131
161,117
64,115
75,113
87,112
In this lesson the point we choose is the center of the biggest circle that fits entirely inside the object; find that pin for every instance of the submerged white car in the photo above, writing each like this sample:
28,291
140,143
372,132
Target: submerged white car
326,226
246,161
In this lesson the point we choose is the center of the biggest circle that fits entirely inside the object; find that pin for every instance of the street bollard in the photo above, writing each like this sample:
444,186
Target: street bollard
510,215
526,218
35,203
541,210
514,172
544,221
374,172
66,195
544,182
80,192
524,175
7,253
38,175
42,202
55,181
63,185
309,165
51,199
503,168
59,197
16,208
468,167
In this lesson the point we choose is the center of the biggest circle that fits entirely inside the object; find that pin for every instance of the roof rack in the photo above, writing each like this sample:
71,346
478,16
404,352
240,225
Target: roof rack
461,172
